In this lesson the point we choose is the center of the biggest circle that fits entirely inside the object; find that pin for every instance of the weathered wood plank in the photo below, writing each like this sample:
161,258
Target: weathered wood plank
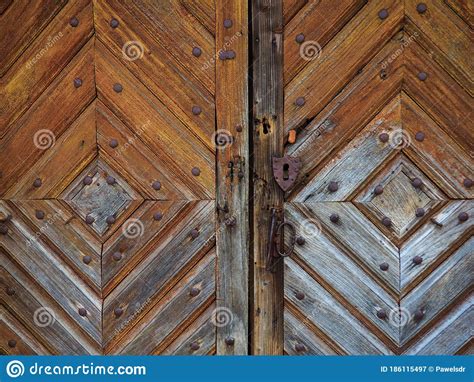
267,112
233,176
464,9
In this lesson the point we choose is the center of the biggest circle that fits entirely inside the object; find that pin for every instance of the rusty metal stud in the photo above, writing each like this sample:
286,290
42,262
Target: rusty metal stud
114,23
333,186
196,110
118,88
300,348
194,233
240,175
37,183
383,14
157,216
196,171
421,8
87,180
110,220
420,136
230,341
113,143
417,182
90,219
87,259
463,216
419,314
230,221
3,229
74,22
386,222
381,314
300,101
378,190
194,346
110,180
422,76
467,183
222,55
227,23
39,214
82,312
300,240
384,137
417,260
384,267
194,291
230,55
197,51
117,256
419,212
156,185
118,312
299,295
299,38
77,83
238,128
10,291
383,74
334,218
12,343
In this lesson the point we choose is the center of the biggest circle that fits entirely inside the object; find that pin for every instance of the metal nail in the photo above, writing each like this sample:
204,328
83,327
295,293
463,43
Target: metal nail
37,183
227,23
422,76
468,183
74,22
77,83
156,185
194,346
87,180
196,171
114,23
118,312
90,219
300,101
420,136
82,312
378,190
421,8
196,51
118,88
194,291
110,220
417,182
194,233
230,341
334,218
117,256
3,229
10,291
381,314
113,143
417,260
384,267
196,110
87,259
333,186
384,137
230,55
386,222
299,295
419,314
110,180
299,38
12,343
157,216
463,216
39,214
300,240
419,212
300,348
383,14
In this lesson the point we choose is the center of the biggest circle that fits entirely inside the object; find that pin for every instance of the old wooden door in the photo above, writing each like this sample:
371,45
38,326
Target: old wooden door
124,177
379,94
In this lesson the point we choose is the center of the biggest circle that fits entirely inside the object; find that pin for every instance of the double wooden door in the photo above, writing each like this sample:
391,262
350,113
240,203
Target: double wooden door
155,157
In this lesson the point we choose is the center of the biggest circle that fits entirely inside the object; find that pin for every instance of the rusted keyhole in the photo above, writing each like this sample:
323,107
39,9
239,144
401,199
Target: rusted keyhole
266,126
286,168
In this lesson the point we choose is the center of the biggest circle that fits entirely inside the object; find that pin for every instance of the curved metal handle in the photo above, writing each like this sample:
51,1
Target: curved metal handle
292,240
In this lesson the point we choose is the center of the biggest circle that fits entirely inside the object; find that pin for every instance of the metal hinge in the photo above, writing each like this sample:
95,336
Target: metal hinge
276,245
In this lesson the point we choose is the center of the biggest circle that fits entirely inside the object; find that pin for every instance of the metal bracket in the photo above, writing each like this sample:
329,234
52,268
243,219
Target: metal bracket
285,171
276,246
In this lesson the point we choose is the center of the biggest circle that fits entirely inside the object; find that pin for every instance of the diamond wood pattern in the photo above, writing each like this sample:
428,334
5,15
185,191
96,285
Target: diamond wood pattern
380,96
115,187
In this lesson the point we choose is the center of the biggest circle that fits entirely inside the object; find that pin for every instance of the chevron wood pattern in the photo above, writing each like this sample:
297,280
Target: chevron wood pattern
379,94
114,180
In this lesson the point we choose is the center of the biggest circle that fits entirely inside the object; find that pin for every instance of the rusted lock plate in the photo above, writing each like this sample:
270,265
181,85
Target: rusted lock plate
285,171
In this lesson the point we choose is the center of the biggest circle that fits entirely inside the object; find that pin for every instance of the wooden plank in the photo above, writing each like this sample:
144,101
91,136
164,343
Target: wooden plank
330,265
431,241
464,9
319,22
20,25
267,77
43,60
439,290
329,315
356,161
204,11
342,58
233,176
362,240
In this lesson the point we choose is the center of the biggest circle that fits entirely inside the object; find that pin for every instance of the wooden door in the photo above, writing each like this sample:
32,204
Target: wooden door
379,94
124,177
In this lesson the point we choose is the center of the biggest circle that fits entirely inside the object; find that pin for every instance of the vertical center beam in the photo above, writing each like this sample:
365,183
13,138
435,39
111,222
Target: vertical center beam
267,75
233,177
